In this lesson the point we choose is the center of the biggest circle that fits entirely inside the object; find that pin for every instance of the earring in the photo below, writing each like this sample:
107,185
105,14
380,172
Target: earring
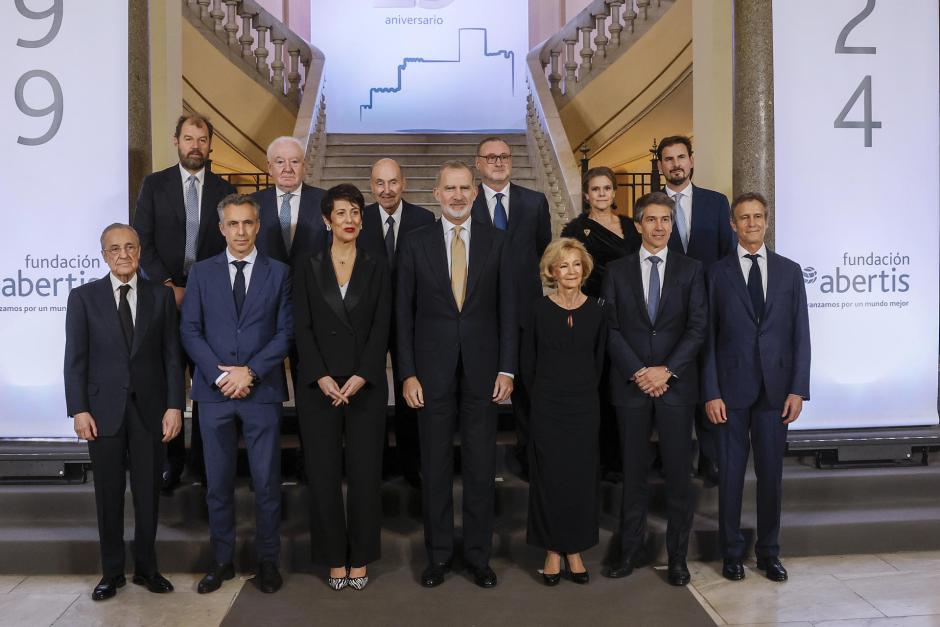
329,228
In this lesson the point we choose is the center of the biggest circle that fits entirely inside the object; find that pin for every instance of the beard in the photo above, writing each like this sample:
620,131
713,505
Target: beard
677,177
452,214
193,161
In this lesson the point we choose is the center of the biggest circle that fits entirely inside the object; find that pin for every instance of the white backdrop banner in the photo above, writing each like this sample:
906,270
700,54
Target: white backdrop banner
423,65
857,201
63,164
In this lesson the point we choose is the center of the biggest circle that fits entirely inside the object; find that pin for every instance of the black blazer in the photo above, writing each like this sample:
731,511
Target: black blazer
433,334
372,240
309,236
710,237
100,373
673,341
338,337
160,220
529,232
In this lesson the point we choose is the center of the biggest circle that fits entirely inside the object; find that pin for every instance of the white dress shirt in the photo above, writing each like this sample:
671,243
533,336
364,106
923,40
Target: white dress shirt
686,205
343,288
761,263
131,294
383,216
232,270
490,196
200,179
646,267
294,207
449,238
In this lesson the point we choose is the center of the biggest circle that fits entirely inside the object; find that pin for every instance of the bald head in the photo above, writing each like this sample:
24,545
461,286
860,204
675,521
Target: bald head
387,183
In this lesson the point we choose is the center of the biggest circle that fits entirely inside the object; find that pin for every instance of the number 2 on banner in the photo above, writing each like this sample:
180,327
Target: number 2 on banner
864,88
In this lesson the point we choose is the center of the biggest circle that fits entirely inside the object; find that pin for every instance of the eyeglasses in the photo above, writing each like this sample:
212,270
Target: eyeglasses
494,159
115,251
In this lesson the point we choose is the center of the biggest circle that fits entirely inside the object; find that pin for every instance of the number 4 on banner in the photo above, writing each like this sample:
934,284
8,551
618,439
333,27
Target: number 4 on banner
868,124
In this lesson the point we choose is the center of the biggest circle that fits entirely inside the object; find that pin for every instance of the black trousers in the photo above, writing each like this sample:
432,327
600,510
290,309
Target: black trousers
139,449
176,448
707,435
407,447
674,425
759,427
349,534
438,422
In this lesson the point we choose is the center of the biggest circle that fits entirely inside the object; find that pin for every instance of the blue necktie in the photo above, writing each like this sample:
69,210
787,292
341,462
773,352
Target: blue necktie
390,240
680,223
191,200
500,221
652,298
284,216
238,287
755,287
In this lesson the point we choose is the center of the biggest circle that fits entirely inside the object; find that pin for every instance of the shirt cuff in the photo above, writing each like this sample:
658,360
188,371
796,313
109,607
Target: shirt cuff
509,374
219,378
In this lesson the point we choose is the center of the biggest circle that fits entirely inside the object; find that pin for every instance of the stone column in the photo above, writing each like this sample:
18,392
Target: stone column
753,154
138,98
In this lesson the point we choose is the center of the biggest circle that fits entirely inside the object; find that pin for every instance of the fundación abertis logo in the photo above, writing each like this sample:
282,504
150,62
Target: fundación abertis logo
863,274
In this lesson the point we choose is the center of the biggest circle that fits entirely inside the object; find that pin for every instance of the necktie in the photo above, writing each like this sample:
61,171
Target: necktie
680,223
238,288
500,220
755,286
390,240
458,267
124,313
284,216
192,222
652,298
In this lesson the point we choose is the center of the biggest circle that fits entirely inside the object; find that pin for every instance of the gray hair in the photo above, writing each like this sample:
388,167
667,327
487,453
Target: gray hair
114,227
454,164
239,199
653,198
282,139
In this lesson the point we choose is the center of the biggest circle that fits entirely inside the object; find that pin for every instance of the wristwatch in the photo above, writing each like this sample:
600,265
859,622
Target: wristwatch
254,376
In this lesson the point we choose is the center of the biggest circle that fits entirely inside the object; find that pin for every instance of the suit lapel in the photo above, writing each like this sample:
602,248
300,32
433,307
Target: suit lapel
307,213
481,242
515,201
372,228
733,269
773,281
208,215
144,314
697,216
362,270
270,214
434,248
635,278
223,281
670,279
329,285
106,300
174,188
259,278
479,210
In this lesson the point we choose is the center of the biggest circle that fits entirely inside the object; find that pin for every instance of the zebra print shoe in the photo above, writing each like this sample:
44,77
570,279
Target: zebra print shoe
358,582
337,583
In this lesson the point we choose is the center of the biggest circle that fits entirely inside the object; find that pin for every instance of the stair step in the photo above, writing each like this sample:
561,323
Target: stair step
413,174
450,149
472,139
410,160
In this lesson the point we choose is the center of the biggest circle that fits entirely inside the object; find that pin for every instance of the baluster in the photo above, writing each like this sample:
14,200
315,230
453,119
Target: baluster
261,51
570,65
246,39
277,65
587,53
203,9
217,15
644,5
554,77
615,26
629,15
305,62
293,76
231,26
600,40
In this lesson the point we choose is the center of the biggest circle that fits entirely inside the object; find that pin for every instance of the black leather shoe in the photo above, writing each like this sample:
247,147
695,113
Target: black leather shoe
678,573
107,587
214,578
433,575
772,568
708,471
732,569
483,577
619,570
156,583
268,578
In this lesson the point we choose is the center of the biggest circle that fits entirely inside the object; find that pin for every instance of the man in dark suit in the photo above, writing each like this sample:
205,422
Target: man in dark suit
177,221
124,389
755,379
523,214
702,232
292,226
237,324
658,316
457,350
385,226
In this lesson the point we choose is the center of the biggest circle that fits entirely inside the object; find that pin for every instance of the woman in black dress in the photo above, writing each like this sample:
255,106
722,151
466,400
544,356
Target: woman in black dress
562,360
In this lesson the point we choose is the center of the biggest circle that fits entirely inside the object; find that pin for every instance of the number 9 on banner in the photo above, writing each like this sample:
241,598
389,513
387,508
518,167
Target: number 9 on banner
55,11
54,108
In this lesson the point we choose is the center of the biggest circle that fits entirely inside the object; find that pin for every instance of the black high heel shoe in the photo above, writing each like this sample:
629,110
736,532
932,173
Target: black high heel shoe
578,578
551,579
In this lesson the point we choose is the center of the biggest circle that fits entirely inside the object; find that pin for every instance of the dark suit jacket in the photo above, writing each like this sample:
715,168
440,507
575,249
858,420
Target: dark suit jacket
342,337
309,236
212,334
711,237
160,220
742,355
433,334
529,231
372,240
99,370
673,341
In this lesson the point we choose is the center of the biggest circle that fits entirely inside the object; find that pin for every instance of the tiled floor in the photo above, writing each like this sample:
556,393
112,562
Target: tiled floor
897,589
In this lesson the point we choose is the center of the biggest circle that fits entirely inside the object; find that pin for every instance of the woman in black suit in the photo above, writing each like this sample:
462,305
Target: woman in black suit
342,309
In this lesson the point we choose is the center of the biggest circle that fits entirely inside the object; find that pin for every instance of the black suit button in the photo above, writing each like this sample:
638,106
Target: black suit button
332,332
653,332
232,353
